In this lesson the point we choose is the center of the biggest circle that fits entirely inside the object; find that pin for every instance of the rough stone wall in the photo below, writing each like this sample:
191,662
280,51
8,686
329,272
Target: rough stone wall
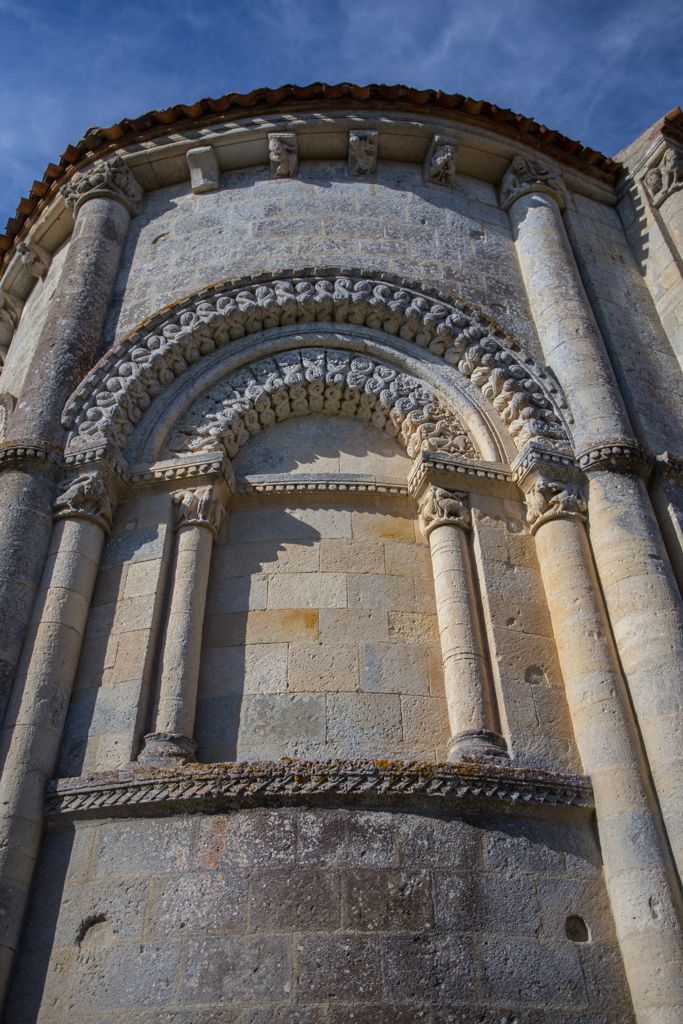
320,916
458,240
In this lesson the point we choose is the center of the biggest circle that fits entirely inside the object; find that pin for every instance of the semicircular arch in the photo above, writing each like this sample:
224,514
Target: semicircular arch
115,396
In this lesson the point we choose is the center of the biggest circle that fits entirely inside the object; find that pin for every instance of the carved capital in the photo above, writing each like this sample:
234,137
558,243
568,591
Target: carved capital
283,154
440,507
363,153
666,176
618,455
550,498
528,174
107,179
440,162
36,259
198,507
85,497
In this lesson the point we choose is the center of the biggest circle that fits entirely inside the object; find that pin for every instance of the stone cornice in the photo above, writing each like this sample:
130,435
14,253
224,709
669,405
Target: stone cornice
618,455
461,475
319,483
142,790
18,452
429,104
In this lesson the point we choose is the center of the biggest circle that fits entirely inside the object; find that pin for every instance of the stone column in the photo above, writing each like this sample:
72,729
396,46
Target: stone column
641,879
642,597
667,498
35,717
472,714
198,518
102,198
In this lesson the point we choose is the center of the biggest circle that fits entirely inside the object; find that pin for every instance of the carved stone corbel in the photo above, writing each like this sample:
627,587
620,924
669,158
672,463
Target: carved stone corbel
283,154
107,179
440,162
85,497
363,153
666,176
204,169
528,174
35,258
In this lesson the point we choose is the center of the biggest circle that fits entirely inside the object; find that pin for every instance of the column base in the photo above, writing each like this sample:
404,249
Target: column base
167,748
477,745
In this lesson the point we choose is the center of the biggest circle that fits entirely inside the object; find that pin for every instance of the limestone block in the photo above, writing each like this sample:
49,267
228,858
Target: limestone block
336,964
307,590
268,627
273,725
132,649
142,578
413,627
259,965
351,556
337,625
204,170
237,594
171,909
376,525
403,558
394,668
246,559
256,668
364,724
323,667
425,722
281,901
374,591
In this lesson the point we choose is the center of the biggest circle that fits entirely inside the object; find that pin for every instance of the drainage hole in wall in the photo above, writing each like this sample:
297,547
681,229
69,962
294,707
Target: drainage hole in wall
576,929
94,930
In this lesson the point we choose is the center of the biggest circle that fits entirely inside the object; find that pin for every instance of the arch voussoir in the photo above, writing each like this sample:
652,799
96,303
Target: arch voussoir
113,398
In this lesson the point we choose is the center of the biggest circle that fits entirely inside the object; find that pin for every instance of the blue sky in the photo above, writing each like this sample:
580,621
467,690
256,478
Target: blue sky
599,71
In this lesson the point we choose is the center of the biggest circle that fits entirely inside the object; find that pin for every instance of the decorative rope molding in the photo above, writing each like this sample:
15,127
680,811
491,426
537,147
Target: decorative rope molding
141,790
116,393
316,380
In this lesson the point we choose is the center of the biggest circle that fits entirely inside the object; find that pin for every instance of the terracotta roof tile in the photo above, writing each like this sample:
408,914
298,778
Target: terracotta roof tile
99,141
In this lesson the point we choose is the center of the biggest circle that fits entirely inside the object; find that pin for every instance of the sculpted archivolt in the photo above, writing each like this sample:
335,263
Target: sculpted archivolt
113,398
330,382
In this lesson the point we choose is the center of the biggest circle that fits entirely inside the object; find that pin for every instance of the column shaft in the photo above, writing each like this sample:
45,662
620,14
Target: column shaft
182,642
569,335
35,717
67,347
199,515
641,882
642,597
469,696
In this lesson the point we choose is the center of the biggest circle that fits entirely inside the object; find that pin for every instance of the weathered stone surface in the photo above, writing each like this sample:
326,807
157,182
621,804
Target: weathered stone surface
385,439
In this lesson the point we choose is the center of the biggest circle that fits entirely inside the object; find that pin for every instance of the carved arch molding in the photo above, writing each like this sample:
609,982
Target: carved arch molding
113,398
